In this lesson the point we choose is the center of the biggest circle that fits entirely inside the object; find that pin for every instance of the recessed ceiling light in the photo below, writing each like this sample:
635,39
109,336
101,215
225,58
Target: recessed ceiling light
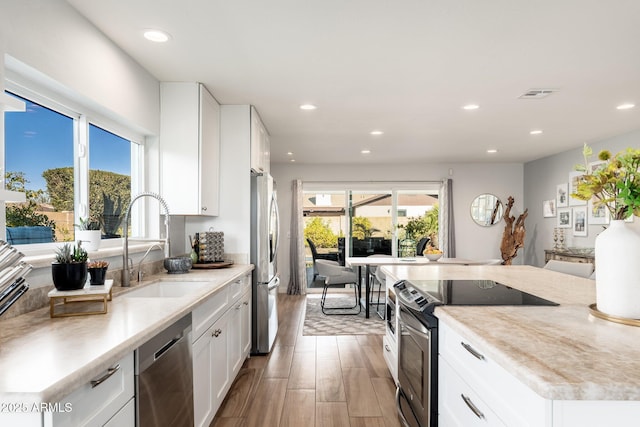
492,151
535,132
366,151
471,107
625,106
376,132
308,107
292,160
289,153
157,36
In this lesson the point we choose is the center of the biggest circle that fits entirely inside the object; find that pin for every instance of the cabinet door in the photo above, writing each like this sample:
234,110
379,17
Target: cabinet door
260,145
245,336
209,153
202,378
235,338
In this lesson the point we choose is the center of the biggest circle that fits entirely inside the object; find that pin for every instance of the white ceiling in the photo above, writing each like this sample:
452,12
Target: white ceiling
405,67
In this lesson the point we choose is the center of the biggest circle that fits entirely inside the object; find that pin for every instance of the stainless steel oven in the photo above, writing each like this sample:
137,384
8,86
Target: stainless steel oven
416,396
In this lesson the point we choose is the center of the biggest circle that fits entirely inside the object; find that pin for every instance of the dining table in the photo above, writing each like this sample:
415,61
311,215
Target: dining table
365,263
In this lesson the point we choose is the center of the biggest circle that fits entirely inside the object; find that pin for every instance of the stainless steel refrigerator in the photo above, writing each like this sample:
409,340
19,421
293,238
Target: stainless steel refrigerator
265,226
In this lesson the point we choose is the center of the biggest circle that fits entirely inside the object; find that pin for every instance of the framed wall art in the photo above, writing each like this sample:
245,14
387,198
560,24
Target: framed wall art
562,195
573,187
549,209
597,215
564,218
580,221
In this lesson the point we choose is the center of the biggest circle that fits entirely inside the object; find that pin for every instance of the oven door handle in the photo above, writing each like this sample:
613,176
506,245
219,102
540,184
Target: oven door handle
421,334
403,419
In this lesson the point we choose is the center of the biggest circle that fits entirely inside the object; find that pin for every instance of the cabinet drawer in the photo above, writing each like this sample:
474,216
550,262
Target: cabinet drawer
389,351
98,400
238,287
459,405
209,311
510,399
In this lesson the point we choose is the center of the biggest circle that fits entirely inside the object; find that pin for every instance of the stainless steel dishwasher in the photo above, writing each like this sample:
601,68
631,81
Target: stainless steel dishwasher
164,378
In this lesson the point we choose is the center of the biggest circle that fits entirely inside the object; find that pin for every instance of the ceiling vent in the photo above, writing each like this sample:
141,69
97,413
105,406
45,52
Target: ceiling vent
537,93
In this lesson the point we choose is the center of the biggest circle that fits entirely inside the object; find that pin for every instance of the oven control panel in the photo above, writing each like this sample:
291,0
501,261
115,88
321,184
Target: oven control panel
410,297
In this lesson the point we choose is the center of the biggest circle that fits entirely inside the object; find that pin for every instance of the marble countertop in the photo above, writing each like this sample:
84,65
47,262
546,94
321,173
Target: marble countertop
561,352
44,359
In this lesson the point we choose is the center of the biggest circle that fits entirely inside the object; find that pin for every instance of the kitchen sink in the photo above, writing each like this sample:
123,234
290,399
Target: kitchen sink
168,289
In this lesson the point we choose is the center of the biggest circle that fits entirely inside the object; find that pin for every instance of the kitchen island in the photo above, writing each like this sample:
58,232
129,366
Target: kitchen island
44,360
570,367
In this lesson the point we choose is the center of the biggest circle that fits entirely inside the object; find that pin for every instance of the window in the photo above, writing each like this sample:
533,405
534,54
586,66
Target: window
70,167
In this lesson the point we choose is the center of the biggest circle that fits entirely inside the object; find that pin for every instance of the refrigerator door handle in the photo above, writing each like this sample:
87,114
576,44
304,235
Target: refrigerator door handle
274,284
276,243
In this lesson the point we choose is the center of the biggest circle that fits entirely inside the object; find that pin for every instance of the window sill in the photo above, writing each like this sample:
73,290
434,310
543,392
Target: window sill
43,257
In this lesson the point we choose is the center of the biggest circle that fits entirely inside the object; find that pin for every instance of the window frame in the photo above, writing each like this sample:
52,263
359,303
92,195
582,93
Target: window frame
83,116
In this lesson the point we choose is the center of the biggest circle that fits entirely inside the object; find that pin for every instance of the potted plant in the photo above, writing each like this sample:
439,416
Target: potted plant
69,271
112,216
615,183
88,232
97,271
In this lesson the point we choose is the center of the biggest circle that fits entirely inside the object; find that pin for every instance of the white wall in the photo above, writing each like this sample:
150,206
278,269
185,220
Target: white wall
541,178
469,180
51,37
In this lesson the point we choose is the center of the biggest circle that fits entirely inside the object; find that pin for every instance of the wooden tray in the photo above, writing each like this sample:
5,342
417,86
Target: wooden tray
221,264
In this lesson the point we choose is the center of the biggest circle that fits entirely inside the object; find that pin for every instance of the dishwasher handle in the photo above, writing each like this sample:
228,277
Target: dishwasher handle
158,354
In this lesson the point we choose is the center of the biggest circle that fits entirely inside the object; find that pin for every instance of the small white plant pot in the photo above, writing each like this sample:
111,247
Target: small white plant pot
90,239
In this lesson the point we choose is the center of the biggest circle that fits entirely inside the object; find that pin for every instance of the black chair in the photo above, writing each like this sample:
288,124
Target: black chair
422,244
336,275
316,256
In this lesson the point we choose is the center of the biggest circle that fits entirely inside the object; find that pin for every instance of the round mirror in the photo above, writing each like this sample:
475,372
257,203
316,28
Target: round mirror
486,210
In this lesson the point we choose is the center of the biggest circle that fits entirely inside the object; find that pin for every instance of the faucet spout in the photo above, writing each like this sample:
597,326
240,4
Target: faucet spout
126,270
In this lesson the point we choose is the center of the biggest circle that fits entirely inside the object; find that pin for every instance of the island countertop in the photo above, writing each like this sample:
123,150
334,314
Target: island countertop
561,352
44,359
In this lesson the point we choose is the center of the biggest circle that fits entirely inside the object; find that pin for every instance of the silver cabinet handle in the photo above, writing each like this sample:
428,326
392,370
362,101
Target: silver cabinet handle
473,407
246,303
110,372
472,350
238,307
204,208
216,333
386,347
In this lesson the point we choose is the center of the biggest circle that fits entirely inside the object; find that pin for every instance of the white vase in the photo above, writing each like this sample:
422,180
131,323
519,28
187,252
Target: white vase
90,239
618,270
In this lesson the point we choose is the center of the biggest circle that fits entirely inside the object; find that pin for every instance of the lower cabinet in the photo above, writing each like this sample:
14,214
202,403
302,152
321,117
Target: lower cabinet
218,354
105,400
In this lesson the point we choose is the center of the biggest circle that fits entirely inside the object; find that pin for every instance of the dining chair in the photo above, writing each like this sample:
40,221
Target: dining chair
316,256
580,269
336,275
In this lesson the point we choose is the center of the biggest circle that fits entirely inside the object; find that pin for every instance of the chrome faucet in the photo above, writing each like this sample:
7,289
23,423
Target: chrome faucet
126,270
140,273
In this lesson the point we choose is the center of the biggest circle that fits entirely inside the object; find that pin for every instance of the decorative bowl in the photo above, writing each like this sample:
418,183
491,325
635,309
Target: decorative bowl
178,264
433,257
581,251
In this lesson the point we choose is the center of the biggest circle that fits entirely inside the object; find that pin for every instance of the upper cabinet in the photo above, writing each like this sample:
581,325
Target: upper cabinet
260,145
189,149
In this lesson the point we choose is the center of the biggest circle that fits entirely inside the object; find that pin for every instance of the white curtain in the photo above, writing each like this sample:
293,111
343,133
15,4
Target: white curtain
298,274
445,220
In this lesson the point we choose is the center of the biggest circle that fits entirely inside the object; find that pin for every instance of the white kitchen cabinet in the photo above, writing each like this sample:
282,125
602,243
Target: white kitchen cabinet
189,148
260,144
390,340
219,352
487,386
99,401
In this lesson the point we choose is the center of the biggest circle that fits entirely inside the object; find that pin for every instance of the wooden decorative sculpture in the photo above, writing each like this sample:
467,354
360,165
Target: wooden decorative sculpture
513,235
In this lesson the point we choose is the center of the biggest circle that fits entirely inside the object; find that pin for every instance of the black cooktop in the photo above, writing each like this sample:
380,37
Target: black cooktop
464,292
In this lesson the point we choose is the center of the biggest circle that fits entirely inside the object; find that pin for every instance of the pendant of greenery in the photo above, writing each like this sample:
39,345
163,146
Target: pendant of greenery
614,183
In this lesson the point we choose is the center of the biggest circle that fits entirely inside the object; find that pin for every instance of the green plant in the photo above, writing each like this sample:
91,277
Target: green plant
112,215
361,228
320,233
615,183
87,224
67,254
424,226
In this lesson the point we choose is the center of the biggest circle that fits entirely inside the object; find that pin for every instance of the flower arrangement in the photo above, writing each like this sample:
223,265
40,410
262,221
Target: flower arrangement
615,183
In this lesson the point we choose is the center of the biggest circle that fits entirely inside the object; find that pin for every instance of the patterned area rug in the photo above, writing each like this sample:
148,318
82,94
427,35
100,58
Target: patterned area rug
317,323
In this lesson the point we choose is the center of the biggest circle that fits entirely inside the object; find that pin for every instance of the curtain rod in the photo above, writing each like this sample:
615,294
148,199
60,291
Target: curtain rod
376,182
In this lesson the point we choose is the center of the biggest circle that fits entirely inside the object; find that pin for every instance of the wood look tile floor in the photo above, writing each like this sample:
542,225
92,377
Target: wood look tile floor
312,381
